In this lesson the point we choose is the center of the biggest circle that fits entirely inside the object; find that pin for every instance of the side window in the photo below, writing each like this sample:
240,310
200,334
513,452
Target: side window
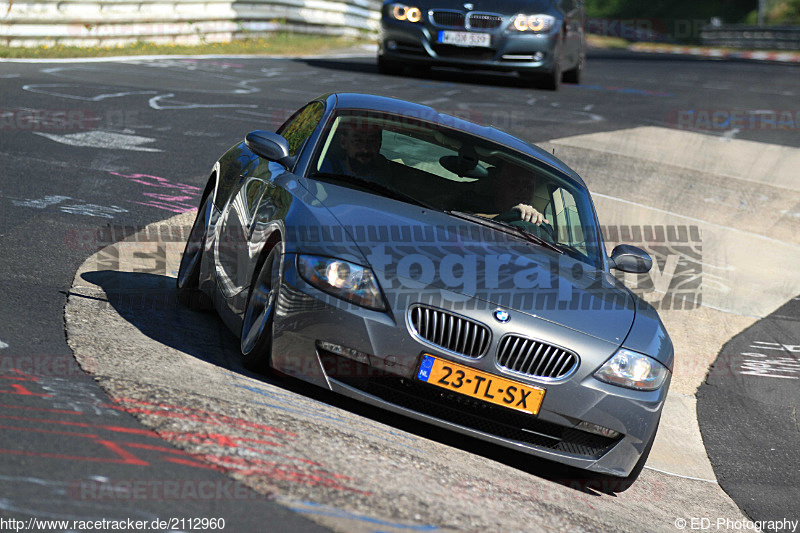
300,127
568,221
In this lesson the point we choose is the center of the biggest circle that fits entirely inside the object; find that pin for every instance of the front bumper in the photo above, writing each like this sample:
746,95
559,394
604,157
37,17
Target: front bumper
384,357
417,44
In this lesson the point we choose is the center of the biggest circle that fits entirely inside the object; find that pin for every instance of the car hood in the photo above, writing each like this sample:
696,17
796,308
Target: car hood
508,7
416,251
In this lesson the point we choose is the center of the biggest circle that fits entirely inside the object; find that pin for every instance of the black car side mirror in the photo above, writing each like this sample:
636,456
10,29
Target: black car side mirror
629,258
268,145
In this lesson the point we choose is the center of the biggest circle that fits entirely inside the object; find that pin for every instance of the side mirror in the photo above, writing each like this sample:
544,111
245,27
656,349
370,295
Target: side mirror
268,145
629,258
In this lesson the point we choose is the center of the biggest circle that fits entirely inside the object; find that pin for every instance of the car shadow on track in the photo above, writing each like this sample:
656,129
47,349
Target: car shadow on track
421,75
149,302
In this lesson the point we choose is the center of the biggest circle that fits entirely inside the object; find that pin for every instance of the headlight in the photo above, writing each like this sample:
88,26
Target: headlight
404,12
532,23
633,371
342,279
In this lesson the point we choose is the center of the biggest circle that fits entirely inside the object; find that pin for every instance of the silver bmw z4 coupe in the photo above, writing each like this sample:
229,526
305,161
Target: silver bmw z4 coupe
438,269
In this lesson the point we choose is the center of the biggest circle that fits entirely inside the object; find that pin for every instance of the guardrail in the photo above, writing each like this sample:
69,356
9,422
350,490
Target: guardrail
119,22
752,37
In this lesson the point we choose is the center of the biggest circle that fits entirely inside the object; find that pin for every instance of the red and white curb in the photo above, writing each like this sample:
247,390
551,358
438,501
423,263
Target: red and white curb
782,57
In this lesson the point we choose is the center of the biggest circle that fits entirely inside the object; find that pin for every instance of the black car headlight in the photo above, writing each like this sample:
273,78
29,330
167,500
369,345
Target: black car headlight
633,370
345,280
405,13
532,23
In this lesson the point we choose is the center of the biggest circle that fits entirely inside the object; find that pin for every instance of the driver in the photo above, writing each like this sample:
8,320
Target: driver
512,183
360,154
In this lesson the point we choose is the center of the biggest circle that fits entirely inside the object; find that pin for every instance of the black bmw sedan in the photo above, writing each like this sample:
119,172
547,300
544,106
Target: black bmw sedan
542,40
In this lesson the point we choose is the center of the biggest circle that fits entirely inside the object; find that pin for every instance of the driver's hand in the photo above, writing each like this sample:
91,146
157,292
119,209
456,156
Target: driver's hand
529,214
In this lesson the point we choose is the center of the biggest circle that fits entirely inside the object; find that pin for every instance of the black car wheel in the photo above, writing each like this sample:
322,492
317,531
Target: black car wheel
574,75
256,340
188,282
386,66
552,81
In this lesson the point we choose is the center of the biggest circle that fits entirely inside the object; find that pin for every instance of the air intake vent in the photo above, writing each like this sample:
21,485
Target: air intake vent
449,331
448,19
484,21
533,358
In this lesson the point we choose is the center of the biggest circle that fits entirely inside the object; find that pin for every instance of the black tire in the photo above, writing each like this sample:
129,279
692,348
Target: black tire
552,81
256,335
389,67
574,75
188,282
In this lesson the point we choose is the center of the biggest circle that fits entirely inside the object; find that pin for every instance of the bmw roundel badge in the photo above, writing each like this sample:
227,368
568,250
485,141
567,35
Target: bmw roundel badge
502,316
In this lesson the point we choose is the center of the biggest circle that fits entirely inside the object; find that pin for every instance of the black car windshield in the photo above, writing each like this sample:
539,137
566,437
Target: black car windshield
455,171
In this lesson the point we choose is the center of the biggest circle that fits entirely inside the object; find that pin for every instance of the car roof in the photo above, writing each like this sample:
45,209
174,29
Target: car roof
402,107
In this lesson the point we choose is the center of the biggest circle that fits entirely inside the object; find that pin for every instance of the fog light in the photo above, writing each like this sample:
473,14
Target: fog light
538,56
350,353
598,430
391,45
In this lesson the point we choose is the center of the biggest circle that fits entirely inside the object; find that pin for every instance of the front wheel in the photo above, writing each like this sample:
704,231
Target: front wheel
256,340
188,282
574,75
552,81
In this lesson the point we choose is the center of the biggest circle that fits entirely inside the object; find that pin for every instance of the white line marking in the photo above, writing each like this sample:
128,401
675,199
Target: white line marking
103,139
41,203
154,102
42,89
701,221
3,345
681,476
730,134
434,101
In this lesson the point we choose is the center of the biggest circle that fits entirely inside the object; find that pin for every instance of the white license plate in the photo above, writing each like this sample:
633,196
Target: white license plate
465,38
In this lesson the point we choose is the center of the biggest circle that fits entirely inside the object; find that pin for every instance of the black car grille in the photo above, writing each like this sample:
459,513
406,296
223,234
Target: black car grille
534,358
484,21
475,414
448,19
450,331
464,52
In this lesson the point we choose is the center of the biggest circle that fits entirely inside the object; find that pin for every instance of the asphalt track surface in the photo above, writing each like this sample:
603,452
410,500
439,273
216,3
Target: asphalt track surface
142,137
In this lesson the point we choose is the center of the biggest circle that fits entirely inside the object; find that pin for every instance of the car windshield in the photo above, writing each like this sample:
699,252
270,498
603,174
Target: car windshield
456,172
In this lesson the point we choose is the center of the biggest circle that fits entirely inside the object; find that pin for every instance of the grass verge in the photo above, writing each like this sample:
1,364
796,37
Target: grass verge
280,43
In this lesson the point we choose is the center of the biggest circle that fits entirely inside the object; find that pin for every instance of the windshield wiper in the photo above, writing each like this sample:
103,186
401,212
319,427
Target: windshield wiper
505,227
383,190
